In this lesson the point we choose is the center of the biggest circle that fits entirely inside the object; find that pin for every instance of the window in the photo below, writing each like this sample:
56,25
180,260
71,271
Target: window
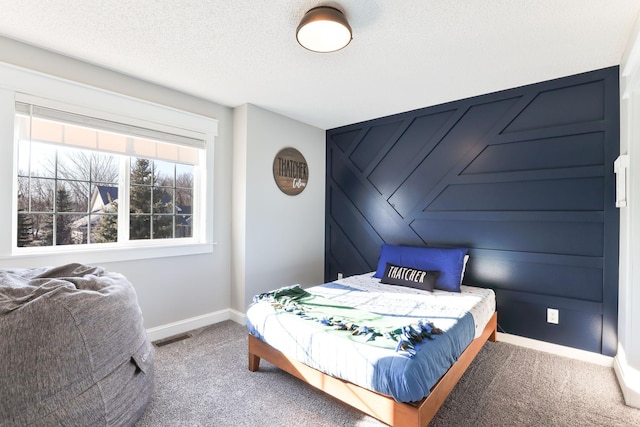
83,180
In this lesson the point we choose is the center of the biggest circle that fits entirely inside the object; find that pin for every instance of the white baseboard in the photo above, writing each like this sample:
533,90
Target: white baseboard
559,350
182,326
237,316
628,378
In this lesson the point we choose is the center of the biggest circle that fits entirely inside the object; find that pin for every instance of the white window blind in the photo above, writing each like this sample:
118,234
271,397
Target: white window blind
53,126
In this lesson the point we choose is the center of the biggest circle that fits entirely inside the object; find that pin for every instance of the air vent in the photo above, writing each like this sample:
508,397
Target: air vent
171,340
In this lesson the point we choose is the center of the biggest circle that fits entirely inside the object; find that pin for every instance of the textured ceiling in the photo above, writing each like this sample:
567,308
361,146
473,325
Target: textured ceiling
405,54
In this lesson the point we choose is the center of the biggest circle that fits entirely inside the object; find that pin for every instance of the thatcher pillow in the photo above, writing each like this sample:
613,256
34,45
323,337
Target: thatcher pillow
411,277
448,261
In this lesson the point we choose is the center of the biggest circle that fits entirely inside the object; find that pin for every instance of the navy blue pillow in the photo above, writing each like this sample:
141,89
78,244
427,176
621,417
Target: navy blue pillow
411,277
448,261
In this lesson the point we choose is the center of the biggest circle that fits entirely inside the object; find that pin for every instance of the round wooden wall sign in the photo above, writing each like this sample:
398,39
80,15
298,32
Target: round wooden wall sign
290,171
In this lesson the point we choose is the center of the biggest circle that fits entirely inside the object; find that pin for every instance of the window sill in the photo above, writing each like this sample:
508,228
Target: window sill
63,255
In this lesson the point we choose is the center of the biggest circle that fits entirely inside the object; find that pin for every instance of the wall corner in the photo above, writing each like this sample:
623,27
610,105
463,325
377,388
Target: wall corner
628,378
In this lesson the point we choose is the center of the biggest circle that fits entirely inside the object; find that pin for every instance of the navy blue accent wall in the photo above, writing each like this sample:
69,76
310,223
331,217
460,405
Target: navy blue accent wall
522,177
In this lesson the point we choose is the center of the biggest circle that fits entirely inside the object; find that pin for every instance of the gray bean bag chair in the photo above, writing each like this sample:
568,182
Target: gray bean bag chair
73,349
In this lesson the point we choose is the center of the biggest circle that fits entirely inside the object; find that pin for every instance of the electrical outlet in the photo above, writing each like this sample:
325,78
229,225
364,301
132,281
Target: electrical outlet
339,276
552,315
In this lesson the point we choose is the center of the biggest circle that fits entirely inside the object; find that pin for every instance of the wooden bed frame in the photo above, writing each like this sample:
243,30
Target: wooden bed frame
379,406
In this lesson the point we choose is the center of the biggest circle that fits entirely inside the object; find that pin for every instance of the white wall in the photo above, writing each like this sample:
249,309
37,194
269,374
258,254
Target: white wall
627,360
272,240
282,236
171,289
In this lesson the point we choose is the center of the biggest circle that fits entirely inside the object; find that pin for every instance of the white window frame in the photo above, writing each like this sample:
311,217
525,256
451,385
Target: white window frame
52,92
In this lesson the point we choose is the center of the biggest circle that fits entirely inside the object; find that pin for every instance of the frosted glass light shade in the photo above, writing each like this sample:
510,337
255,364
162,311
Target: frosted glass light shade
323,29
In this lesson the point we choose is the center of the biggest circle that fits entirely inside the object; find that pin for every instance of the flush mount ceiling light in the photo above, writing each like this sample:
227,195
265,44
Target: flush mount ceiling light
323,29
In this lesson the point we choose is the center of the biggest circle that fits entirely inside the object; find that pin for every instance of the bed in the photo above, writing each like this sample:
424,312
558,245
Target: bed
409,344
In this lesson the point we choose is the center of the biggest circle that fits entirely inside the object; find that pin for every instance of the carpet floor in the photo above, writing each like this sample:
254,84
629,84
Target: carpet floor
204,381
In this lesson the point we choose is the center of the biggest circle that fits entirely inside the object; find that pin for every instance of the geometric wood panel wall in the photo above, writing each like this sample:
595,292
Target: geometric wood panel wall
522,177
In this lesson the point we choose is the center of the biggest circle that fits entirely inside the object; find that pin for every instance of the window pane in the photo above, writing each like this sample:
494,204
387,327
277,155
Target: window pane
104,228
184,200
73,164
184,175
70,230
64,200
140,199
42,195
141,171
72,196
23,158
163,227
42,230
139,227
183,226
42,160
164,173
79,226
165,202
105,168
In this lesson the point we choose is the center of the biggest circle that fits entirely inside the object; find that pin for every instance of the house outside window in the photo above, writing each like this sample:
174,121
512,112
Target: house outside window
83,180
